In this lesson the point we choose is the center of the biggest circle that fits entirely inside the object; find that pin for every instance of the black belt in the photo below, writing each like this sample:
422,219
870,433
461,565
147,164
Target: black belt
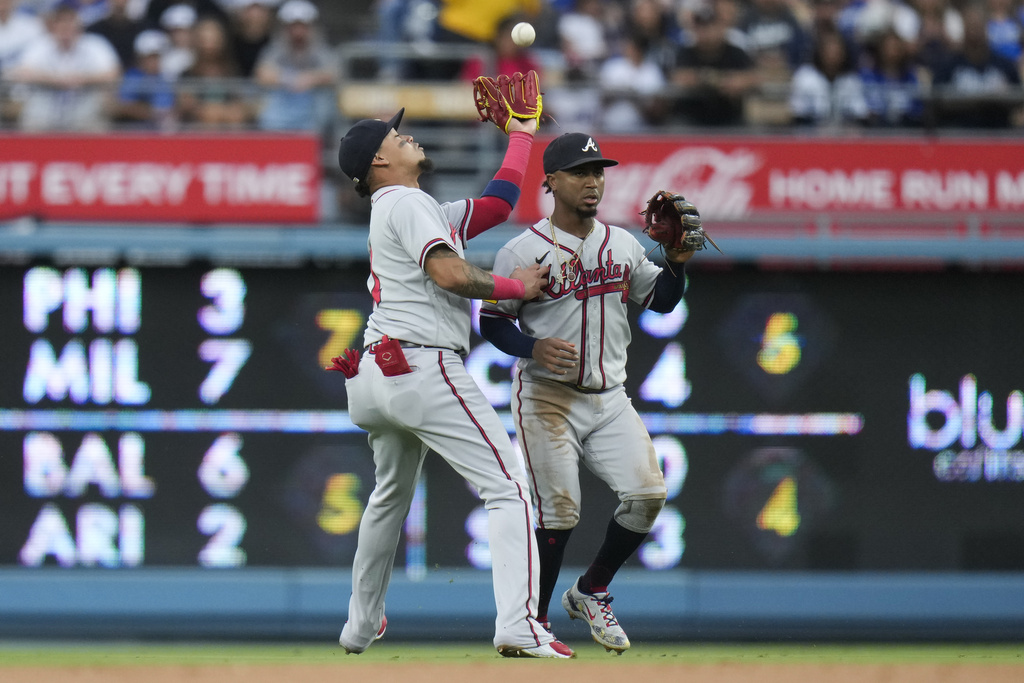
403,344
409,345
582,390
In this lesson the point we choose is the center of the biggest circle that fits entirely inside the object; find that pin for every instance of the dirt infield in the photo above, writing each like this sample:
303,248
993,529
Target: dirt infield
476,662
533,671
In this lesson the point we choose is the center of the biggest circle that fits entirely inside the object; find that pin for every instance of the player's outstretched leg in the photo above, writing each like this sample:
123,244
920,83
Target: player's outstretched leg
399,459
596,610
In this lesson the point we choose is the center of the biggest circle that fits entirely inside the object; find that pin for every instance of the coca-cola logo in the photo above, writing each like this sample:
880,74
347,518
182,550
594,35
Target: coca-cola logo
718,182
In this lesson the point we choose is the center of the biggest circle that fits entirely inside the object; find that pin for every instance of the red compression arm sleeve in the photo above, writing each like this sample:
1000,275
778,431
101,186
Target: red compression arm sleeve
507,288
493,209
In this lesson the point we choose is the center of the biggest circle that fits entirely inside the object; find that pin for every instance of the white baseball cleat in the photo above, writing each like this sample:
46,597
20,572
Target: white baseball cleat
596,610
556,649
380,634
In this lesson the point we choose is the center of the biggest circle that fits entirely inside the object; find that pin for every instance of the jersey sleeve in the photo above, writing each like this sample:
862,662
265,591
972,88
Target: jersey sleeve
458,215
419,225
643,275
504,263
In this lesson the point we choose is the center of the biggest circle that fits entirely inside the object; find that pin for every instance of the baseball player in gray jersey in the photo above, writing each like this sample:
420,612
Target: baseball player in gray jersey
569,404
410,390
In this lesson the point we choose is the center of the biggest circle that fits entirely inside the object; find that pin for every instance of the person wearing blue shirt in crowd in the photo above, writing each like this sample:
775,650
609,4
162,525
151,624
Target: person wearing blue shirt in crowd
891,86
1004,28
146,98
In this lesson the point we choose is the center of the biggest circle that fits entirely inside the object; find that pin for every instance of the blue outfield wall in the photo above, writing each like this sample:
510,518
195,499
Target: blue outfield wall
310,604
750,242
458,604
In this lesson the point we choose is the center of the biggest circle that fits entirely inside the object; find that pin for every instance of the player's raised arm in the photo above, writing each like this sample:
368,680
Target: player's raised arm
514,105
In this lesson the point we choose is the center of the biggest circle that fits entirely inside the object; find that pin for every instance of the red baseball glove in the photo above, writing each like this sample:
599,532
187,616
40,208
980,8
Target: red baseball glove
674,223
504,98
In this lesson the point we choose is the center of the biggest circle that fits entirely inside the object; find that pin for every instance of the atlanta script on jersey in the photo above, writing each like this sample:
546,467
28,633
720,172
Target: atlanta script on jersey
591,282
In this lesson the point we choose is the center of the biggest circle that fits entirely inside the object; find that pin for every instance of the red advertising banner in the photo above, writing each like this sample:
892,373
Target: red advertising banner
738,178
144,178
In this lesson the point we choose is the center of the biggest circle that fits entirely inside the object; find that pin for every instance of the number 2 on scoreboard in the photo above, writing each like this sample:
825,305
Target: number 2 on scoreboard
225,526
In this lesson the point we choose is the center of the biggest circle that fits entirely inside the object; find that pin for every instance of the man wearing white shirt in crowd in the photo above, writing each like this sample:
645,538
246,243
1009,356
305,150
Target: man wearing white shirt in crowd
828,89
69,75
632,83
177,21
17,29
582,35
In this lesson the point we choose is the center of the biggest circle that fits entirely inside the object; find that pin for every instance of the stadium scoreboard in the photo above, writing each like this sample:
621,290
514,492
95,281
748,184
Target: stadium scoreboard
181,416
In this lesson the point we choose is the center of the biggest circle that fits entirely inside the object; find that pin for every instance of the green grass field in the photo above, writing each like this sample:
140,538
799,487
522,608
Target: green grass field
149,654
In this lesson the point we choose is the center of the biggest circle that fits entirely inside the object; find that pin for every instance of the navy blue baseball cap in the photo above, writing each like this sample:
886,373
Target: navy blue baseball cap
361,142
571,150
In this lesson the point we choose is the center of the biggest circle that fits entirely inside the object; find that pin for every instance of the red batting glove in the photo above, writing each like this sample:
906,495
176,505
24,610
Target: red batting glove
349,364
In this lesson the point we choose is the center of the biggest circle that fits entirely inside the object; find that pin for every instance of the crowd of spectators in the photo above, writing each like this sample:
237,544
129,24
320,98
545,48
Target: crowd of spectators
627,66
97,65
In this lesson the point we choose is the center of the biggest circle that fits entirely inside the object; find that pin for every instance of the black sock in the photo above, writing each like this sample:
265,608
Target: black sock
619,544
550,550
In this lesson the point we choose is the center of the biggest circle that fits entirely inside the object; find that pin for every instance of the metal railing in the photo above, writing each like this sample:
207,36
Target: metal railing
444,104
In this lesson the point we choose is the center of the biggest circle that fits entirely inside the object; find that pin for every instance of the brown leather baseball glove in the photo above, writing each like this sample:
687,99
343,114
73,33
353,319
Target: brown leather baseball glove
504,98
674,223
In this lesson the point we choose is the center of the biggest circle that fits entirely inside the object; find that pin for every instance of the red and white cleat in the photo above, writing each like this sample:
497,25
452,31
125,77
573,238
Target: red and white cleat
556,649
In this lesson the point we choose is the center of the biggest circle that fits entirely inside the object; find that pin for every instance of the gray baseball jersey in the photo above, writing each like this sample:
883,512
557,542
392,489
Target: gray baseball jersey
585,416
405,224
586,305
436,405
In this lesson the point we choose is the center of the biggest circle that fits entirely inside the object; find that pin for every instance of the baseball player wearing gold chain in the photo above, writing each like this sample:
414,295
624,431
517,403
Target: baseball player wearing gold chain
569,403
410,390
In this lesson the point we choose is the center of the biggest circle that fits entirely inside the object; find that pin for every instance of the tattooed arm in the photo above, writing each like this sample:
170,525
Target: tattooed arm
452,273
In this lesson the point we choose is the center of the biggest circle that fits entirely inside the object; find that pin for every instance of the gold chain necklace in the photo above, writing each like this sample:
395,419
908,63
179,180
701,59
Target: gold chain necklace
563,266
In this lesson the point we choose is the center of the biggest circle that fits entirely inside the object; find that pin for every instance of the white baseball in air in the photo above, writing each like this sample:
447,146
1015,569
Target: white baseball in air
523,34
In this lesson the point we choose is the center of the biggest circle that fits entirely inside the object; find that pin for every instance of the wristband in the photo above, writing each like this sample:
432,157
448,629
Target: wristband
502,189
507,288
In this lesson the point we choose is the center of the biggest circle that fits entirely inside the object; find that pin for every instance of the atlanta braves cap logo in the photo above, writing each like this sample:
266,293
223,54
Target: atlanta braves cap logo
571,150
